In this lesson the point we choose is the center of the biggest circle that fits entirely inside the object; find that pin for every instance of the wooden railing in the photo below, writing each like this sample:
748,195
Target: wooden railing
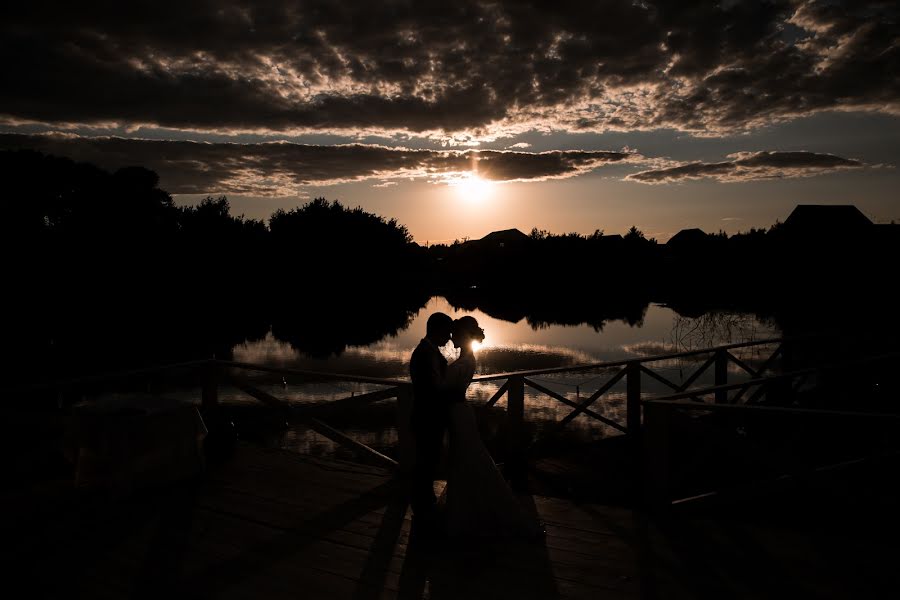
212,374
631,373
658,434
312,416
645,422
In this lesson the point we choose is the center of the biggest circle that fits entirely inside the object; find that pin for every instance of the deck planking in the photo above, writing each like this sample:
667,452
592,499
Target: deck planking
272,524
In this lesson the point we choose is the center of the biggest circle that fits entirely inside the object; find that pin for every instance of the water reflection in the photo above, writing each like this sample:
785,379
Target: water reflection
519,345
509,346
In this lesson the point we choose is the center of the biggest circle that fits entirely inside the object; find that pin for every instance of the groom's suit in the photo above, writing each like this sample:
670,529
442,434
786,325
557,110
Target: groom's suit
428,370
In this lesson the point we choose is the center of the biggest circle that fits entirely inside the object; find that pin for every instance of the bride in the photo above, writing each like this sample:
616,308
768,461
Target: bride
478,501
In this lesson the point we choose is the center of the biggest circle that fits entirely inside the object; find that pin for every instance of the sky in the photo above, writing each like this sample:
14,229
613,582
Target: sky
462,118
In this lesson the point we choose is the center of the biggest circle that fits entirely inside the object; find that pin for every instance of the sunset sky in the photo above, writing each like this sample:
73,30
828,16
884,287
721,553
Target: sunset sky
460,118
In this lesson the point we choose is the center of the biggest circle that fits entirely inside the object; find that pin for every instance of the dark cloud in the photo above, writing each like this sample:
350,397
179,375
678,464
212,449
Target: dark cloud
747,166
281,168
487,67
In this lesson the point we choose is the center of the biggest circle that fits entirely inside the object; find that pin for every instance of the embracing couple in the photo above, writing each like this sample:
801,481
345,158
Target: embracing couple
477,501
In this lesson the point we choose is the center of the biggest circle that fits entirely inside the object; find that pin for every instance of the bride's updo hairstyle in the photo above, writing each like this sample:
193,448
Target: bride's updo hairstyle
468,327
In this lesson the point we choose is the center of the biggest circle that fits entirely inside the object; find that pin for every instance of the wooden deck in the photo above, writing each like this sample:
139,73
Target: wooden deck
271,524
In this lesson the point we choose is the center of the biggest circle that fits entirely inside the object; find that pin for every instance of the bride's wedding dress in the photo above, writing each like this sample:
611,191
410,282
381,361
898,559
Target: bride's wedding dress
478,501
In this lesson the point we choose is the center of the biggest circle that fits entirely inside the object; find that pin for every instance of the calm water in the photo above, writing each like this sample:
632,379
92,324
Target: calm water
508,346
517,346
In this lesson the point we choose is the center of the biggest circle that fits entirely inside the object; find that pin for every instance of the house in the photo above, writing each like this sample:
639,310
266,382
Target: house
687,239
503,238
819,220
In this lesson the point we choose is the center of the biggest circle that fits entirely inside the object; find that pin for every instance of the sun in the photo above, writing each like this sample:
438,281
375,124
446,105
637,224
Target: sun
473,188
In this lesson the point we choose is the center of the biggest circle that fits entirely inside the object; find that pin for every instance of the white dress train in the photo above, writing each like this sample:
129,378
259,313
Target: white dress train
478,501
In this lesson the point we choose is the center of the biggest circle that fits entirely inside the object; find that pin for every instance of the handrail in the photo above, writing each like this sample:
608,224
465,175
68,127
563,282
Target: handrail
315,424
784,410
398,382
764,380
625,361
645,428
318,374
732,386
68,383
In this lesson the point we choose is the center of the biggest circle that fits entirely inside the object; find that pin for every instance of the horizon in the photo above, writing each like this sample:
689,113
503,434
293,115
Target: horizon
484,298
459,121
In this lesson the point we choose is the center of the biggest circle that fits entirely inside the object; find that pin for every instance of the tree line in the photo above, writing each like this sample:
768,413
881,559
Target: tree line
108,256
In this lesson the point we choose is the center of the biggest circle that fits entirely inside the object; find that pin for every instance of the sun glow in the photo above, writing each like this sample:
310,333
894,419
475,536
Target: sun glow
473,188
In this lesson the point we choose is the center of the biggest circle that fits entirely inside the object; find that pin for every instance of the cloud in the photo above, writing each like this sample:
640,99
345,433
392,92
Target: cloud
282,168
747,166
484,69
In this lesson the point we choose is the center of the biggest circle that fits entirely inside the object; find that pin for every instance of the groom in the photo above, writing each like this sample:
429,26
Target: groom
428,370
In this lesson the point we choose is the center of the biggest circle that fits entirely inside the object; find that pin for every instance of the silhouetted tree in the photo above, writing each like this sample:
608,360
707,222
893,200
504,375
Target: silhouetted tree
102,261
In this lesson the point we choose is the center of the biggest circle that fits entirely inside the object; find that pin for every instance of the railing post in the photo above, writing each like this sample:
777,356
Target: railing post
657,421
787,356
210,392
633,424
515,414
633,398
721,375
405,440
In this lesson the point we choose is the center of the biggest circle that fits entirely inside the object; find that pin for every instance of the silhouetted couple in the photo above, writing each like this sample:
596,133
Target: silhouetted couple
477,500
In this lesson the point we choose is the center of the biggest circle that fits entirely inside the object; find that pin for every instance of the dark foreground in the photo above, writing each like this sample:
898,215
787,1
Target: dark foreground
272,524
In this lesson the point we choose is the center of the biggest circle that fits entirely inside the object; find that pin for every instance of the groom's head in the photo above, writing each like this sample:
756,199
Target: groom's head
438,328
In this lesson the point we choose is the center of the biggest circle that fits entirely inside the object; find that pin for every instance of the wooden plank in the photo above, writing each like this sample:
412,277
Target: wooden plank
762,369
313,374
665,381
209,394
270,539
498,394
594,397
769,361
335,475
361,531
568,402
721,376
297,482
251,390
696,375
292,509
280,507
659,378
105,377
348,442
316,425
657,426
622,363
233,553
517,464
600,571
809,412
742,364
348,403
511,563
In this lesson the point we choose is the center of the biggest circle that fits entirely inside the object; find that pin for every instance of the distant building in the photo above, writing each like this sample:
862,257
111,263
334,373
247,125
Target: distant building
814,220
504,237
508,238
686,239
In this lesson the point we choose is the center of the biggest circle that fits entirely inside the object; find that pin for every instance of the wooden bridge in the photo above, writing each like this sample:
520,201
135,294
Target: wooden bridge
271,523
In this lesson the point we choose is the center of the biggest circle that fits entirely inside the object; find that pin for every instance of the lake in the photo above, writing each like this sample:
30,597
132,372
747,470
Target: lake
508,346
